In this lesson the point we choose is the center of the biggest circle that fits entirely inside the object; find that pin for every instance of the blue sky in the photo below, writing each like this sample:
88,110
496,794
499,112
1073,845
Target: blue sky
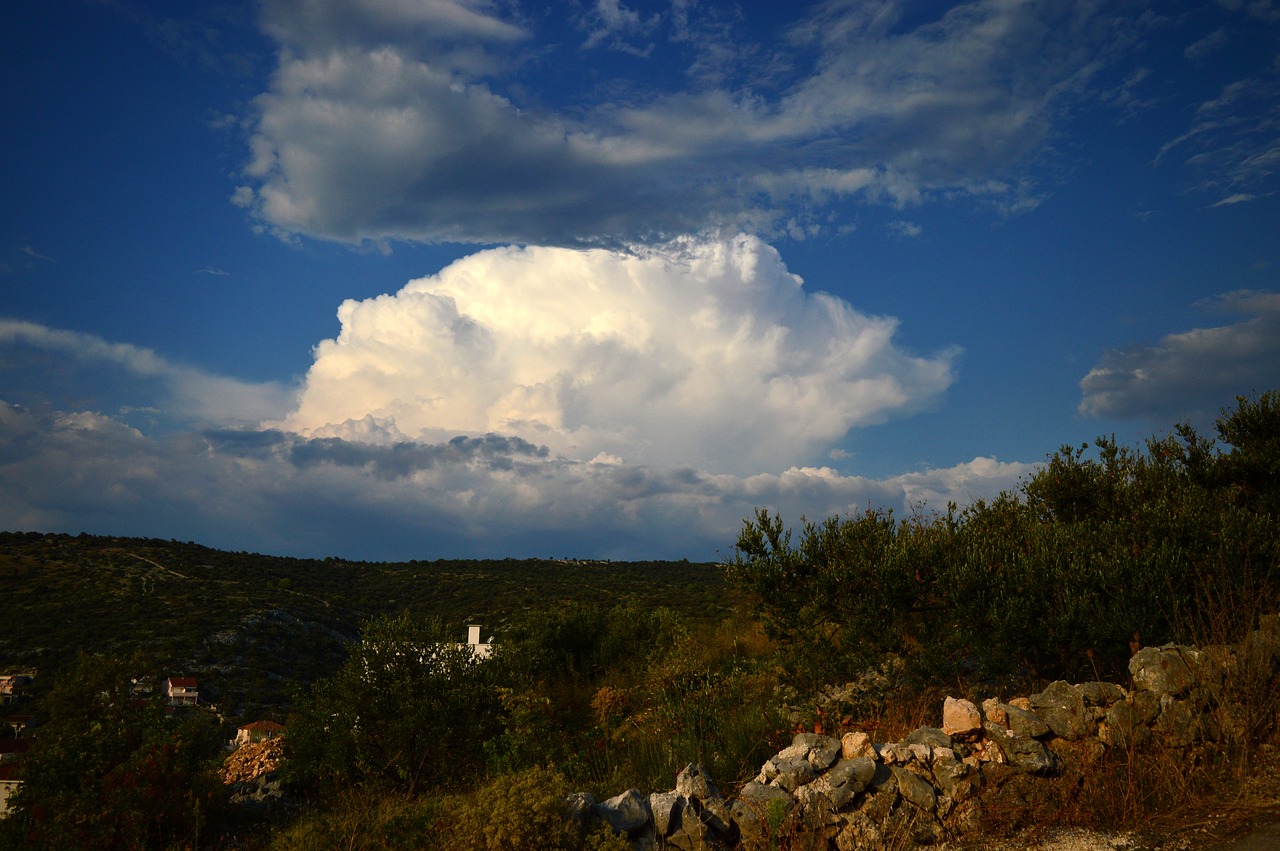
397,279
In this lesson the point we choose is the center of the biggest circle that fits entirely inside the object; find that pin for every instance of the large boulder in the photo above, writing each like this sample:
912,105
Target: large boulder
755,805
961,719
931,737
625,812
915,788
1101,694
1024,722
846,779
823,750
1165,670
1061,706
1024,753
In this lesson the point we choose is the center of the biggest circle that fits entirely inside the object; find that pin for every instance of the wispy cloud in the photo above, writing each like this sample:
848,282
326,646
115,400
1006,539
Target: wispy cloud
1234,141
35,255
1188,375
213,270
1207,45
184,392
1237,198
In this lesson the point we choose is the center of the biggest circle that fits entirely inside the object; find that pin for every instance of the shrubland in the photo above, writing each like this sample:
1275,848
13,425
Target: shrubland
863,620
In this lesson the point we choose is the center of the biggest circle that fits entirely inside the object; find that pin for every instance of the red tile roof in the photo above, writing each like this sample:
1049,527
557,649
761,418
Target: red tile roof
268,726
182,682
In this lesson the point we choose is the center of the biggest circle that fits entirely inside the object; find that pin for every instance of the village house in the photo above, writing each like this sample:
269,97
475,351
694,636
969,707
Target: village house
19,723
257,731
8,785
14,685
181,691
481,650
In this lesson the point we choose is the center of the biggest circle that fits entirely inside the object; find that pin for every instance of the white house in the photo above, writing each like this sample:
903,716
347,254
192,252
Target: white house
8,785
481,650
257,731
13,686
181,691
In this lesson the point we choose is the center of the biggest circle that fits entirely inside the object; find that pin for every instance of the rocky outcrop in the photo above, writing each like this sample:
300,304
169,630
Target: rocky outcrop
251,761
941,782
251,772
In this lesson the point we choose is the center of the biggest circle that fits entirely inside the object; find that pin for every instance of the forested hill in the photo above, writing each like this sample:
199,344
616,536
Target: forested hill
251,626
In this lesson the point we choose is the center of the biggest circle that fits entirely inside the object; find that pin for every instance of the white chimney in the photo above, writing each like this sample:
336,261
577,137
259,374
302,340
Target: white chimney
473,633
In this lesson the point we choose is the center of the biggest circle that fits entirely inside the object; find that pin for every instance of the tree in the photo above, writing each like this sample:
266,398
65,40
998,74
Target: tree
110,769
1253,465
409,709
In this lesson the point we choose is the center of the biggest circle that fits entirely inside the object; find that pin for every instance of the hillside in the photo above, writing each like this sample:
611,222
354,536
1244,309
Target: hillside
252,627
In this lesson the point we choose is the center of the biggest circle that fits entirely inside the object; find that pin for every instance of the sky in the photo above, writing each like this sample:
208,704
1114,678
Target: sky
417,279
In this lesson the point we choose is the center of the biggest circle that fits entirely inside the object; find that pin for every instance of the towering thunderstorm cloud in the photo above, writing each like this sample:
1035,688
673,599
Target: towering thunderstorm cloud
703,352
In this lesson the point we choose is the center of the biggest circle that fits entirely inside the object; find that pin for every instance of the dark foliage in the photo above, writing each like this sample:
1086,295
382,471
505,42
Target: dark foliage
1094,552
111,770
410,709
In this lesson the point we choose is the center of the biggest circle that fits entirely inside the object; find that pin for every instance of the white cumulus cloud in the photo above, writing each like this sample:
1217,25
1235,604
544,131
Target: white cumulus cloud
702,352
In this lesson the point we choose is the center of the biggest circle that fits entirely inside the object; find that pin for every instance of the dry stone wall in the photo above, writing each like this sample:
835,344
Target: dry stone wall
953,780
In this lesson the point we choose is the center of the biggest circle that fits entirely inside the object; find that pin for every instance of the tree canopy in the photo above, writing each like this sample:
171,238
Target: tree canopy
409,709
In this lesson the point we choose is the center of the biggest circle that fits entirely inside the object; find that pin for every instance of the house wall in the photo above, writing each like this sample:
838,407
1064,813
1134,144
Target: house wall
7,788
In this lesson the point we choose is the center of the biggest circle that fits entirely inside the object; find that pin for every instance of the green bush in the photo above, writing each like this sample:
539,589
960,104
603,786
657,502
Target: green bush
1094,551
520,812
409,710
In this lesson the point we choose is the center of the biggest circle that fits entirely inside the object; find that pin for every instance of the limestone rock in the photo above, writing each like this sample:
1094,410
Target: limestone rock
1177,722
792,772
933,737
958,780
1061,706
695,782
624,812
846,779
1024,722
1023,752
1164,670
665,805
1100,694
856,744
751,809
1123,726
915,788
961,719
822,750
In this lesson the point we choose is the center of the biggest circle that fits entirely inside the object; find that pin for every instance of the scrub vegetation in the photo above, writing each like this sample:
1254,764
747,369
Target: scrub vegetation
611,676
